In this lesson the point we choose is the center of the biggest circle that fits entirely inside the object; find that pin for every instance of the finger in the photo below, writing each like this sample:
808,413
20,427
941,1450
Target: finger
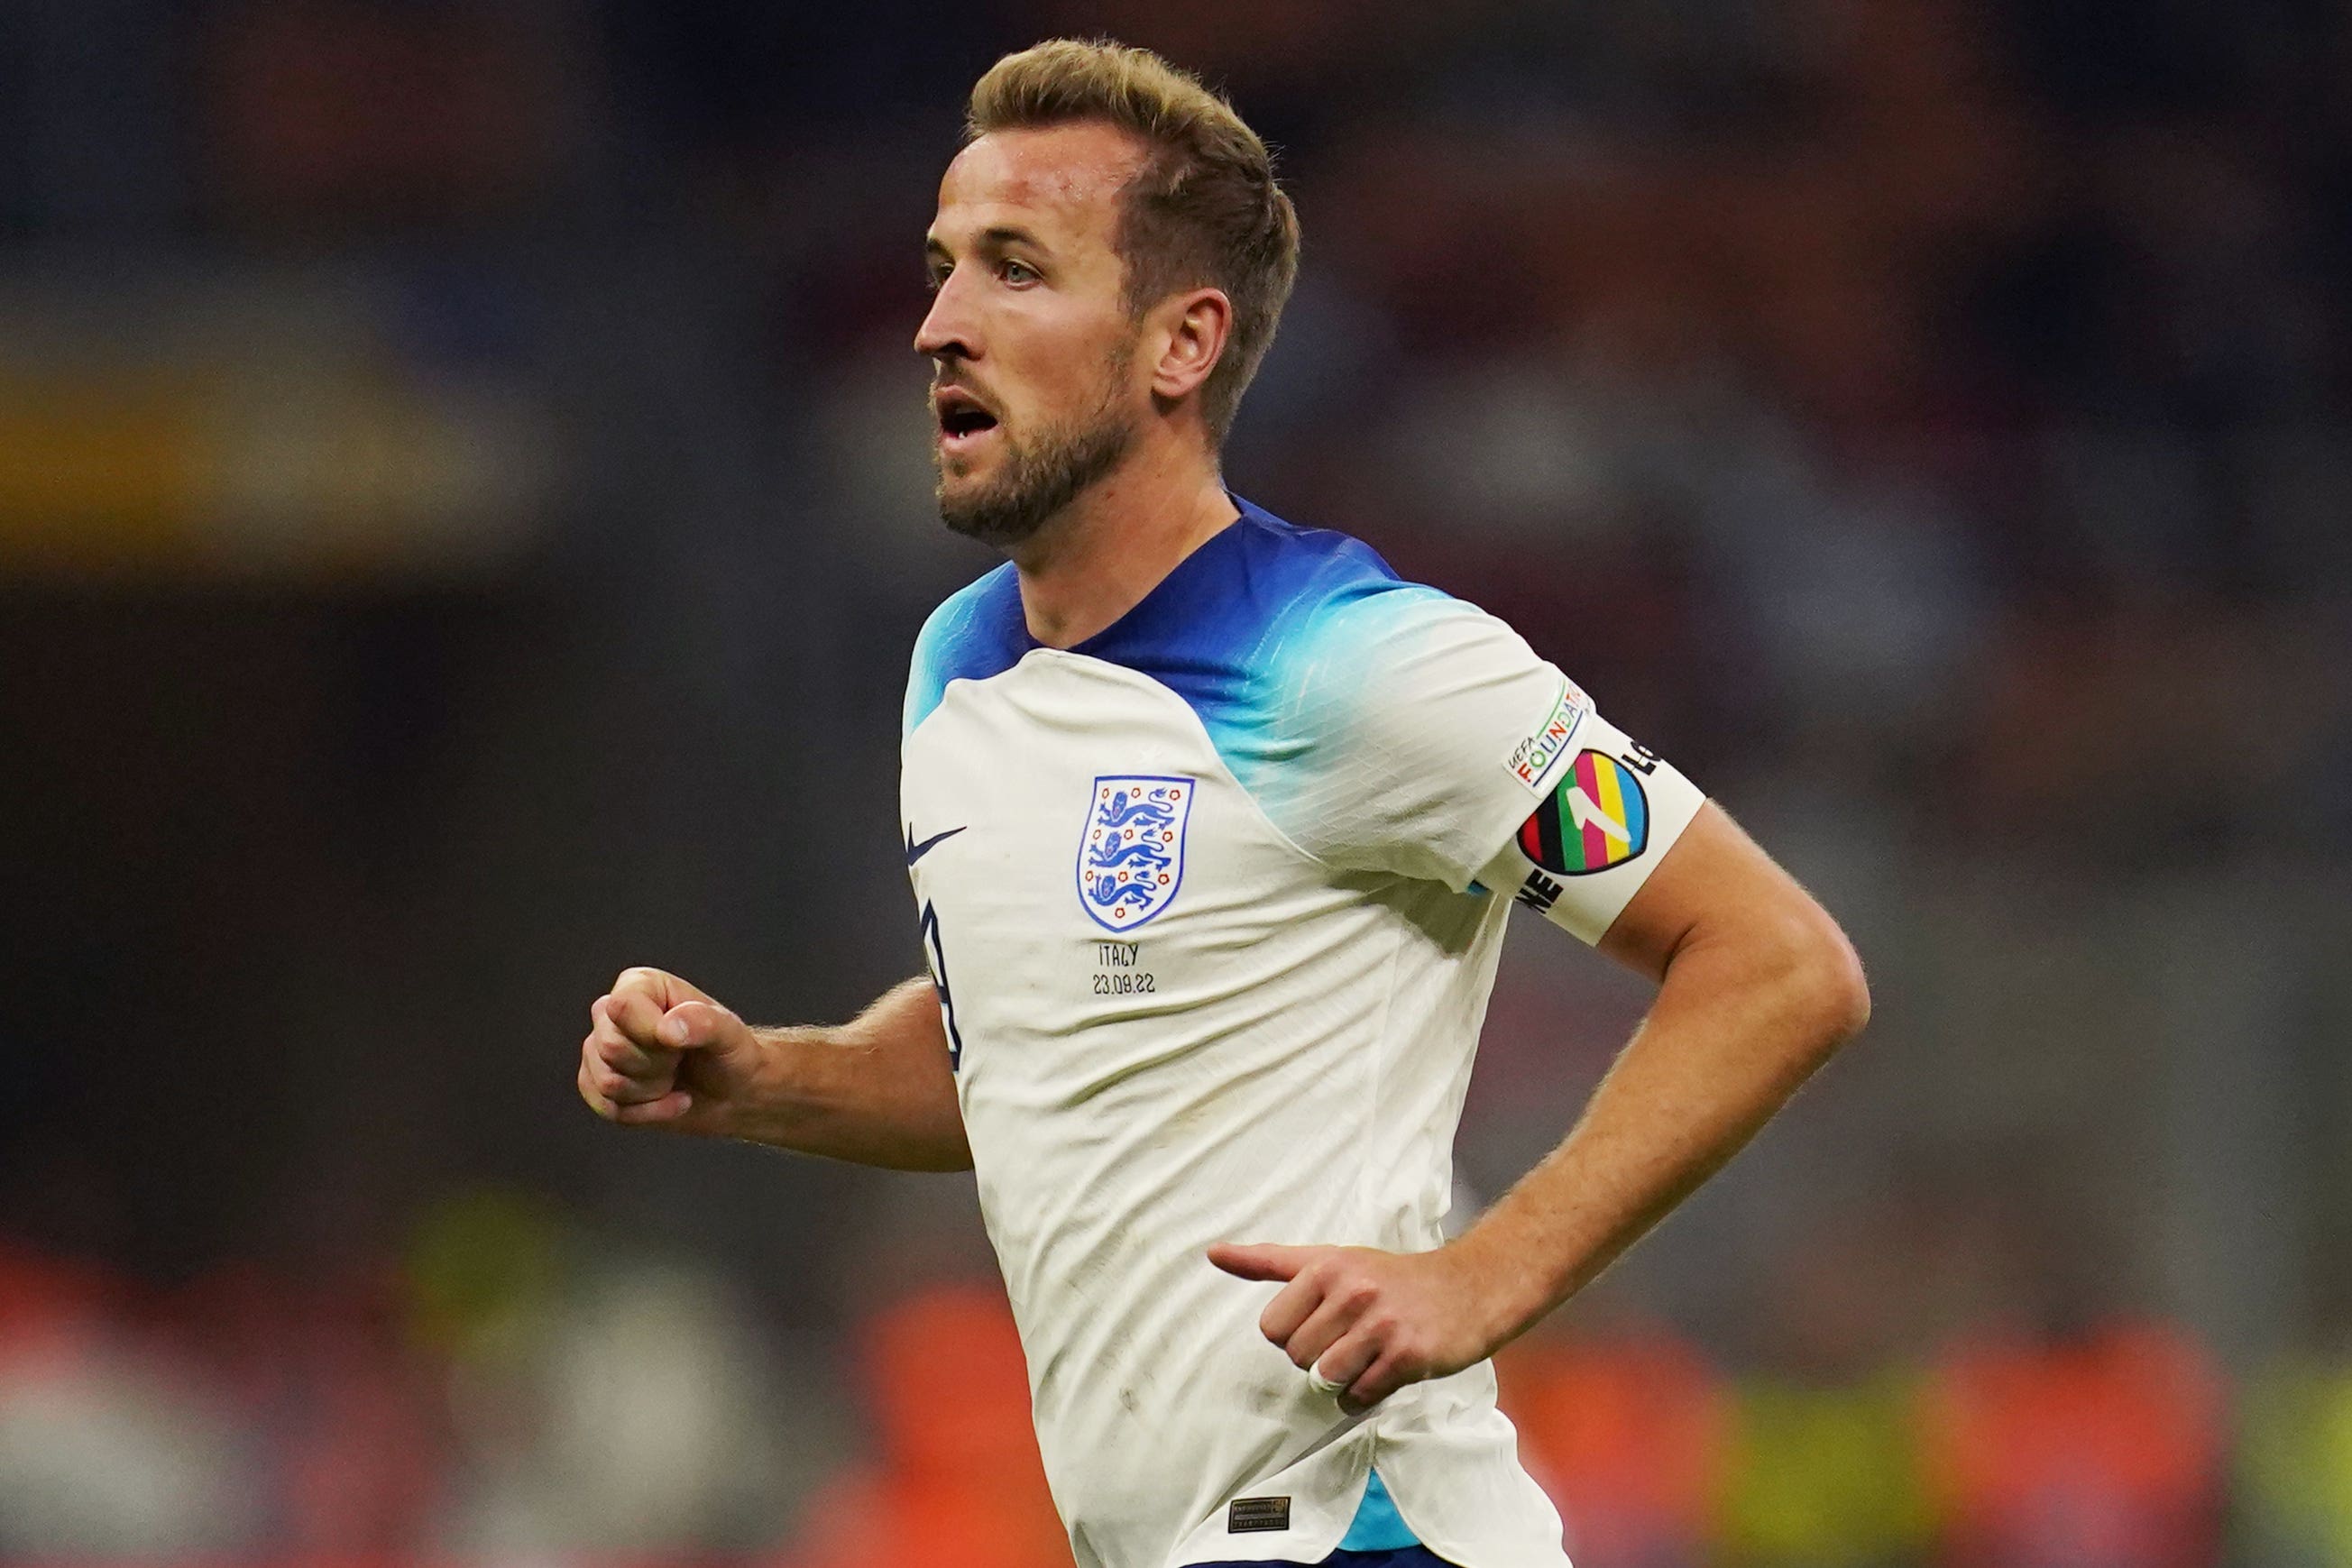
653,1113
691,1025
619,1051
1291,1307
1345,1363
622,1090
628,1060
1383,1377
1261,1260
664,989
633,1014
1334,1316
595,1101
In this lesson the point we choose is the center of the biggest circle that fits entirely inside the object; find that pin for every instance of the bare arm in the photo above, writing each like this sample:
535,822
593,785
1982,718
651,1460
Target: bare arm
876,1091
1757,987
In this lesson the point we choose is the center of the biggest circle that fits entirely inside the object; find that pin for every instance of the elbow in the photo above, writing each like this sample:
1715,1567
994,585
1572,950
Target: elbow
1822,996
1853,1008
1837,992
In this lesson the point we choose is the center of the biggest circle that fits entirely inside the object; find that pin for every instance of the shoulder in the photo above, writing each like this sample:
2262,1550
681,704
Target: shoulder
1333,627
975,633
1283,640
1278,578
1264,605
1274,568
1374,720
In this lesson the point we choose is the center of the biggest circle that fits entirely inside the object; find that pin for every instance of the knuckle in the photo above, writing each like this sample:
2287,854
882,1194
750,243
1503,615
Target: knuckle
617,1030
635,978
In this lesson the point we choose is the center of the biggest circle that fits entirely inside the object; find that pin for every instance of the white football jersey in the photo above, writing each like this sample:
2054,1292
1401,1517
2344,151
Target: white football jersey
1213,901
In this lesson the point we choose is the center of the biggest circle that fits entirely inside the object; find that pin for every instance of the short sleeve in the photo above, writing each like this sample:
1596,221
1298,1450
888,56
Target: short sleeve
975,633
1608,810
1443,747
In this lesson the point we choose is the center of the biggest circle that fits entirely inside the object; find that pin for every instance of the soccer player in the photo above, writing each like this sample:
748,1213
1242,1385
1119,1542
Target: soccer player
1213,826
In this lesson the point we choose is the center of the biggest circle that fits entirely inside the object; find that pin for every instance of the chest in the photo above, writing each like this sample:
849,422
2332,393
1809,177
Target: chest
1080,854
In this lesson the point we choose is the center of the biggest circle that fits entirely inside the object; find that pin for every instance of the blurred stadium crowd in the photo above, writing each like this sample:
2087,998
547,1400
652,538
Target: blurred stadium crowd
514,1390
463,513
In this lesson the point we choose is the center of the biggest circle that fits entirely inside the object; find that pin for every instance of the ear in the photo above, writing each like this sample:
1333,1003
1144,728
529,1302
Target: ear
1193,329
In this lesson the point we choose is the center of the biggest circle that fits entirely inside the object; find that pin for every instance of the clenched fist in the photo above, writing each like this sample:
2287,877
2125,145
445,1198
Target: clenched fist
1363,1322
661,1053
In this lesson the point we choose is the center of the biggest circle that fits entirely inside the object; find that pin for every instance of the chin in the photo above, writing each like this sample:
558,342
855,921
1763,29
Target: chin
960,483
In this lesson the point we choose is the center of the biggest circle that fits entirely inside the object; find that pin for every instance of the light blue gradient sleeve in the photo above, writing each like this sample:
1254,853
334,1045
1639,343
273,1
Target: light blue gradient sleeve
1411,716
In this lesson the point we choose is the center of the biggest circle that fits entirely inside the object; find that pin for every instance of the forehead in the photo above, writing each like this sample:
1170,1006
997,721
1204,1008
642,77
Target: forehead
1060,181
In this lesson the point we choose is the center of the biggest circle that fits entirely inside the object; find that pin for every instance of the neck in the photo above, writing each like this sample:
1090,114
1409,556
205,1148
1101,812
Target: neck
1094,561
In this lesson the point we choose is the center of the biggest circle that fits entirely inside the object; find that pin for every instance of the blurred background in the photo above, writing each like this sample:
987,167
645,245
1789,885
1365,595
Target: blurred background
464,514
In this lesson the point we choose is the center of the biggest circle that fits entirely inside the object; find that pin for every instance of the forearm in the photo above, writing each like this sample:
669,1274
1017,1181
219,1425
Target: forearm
876,1091
1739,1023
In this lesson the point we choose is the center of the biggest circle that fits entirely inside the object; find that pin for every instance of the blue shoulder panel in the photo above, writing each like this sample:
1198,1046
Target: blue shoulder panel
978,632
1260,630
1263,632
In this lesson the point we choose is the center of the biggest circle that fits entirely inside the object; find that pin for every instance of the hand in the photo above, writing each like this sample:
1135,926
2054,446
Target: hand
1364,1320
661,1053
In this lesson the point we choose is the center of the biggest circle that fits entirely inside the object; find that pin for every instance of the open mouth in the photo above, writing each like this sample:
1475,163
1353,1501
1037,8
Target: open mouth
962,417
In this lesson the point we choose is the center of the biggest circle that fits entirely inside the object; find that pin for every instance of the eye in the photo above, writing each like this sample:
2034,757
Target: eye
1019,273
934,275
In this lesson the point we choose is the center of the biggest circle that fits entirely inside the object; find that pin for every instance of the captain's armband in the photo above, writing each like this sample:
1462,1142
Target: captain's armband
1606,813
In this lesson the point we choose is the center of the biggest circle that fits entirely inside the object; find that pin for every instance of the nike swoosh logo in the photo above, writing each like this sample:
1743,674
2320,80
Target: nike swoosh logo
915,851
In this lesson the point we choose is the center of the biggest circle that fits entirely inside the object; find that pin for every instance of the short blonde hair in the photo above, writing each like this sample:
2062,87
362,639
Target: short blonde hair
1205,210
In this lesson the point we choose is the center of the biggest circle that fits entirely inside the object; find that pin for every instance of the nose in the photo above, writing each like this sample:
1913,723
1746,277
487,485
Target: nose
949,329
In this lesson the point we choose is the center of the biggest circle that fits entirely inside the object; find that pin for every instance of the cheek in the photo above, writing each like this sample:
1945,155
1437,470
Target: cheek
1069,370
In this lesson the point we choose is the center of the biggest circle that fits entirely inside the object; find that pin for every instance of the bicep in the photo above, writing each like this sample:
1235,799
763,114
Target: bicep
905,1024
1713,867
1718,892
1608,812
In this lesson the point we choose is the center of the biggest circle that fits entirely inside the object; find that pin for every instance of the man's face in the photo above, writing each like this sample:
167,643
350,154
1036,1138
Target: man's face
1033,390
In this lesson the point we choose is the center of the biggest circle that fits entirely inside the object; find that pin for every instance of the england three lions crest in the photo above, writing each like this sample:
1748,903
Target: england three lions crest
1132,856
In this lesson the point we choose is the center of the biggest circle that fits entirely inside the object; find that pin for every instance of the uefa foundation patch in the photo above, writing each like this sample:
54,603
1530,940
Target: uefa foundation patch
1532,757
1596,818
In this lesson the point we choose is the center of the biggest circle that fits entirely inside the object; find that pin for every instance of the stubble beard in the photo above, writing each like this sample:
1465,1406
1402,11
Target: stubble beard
1042,475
